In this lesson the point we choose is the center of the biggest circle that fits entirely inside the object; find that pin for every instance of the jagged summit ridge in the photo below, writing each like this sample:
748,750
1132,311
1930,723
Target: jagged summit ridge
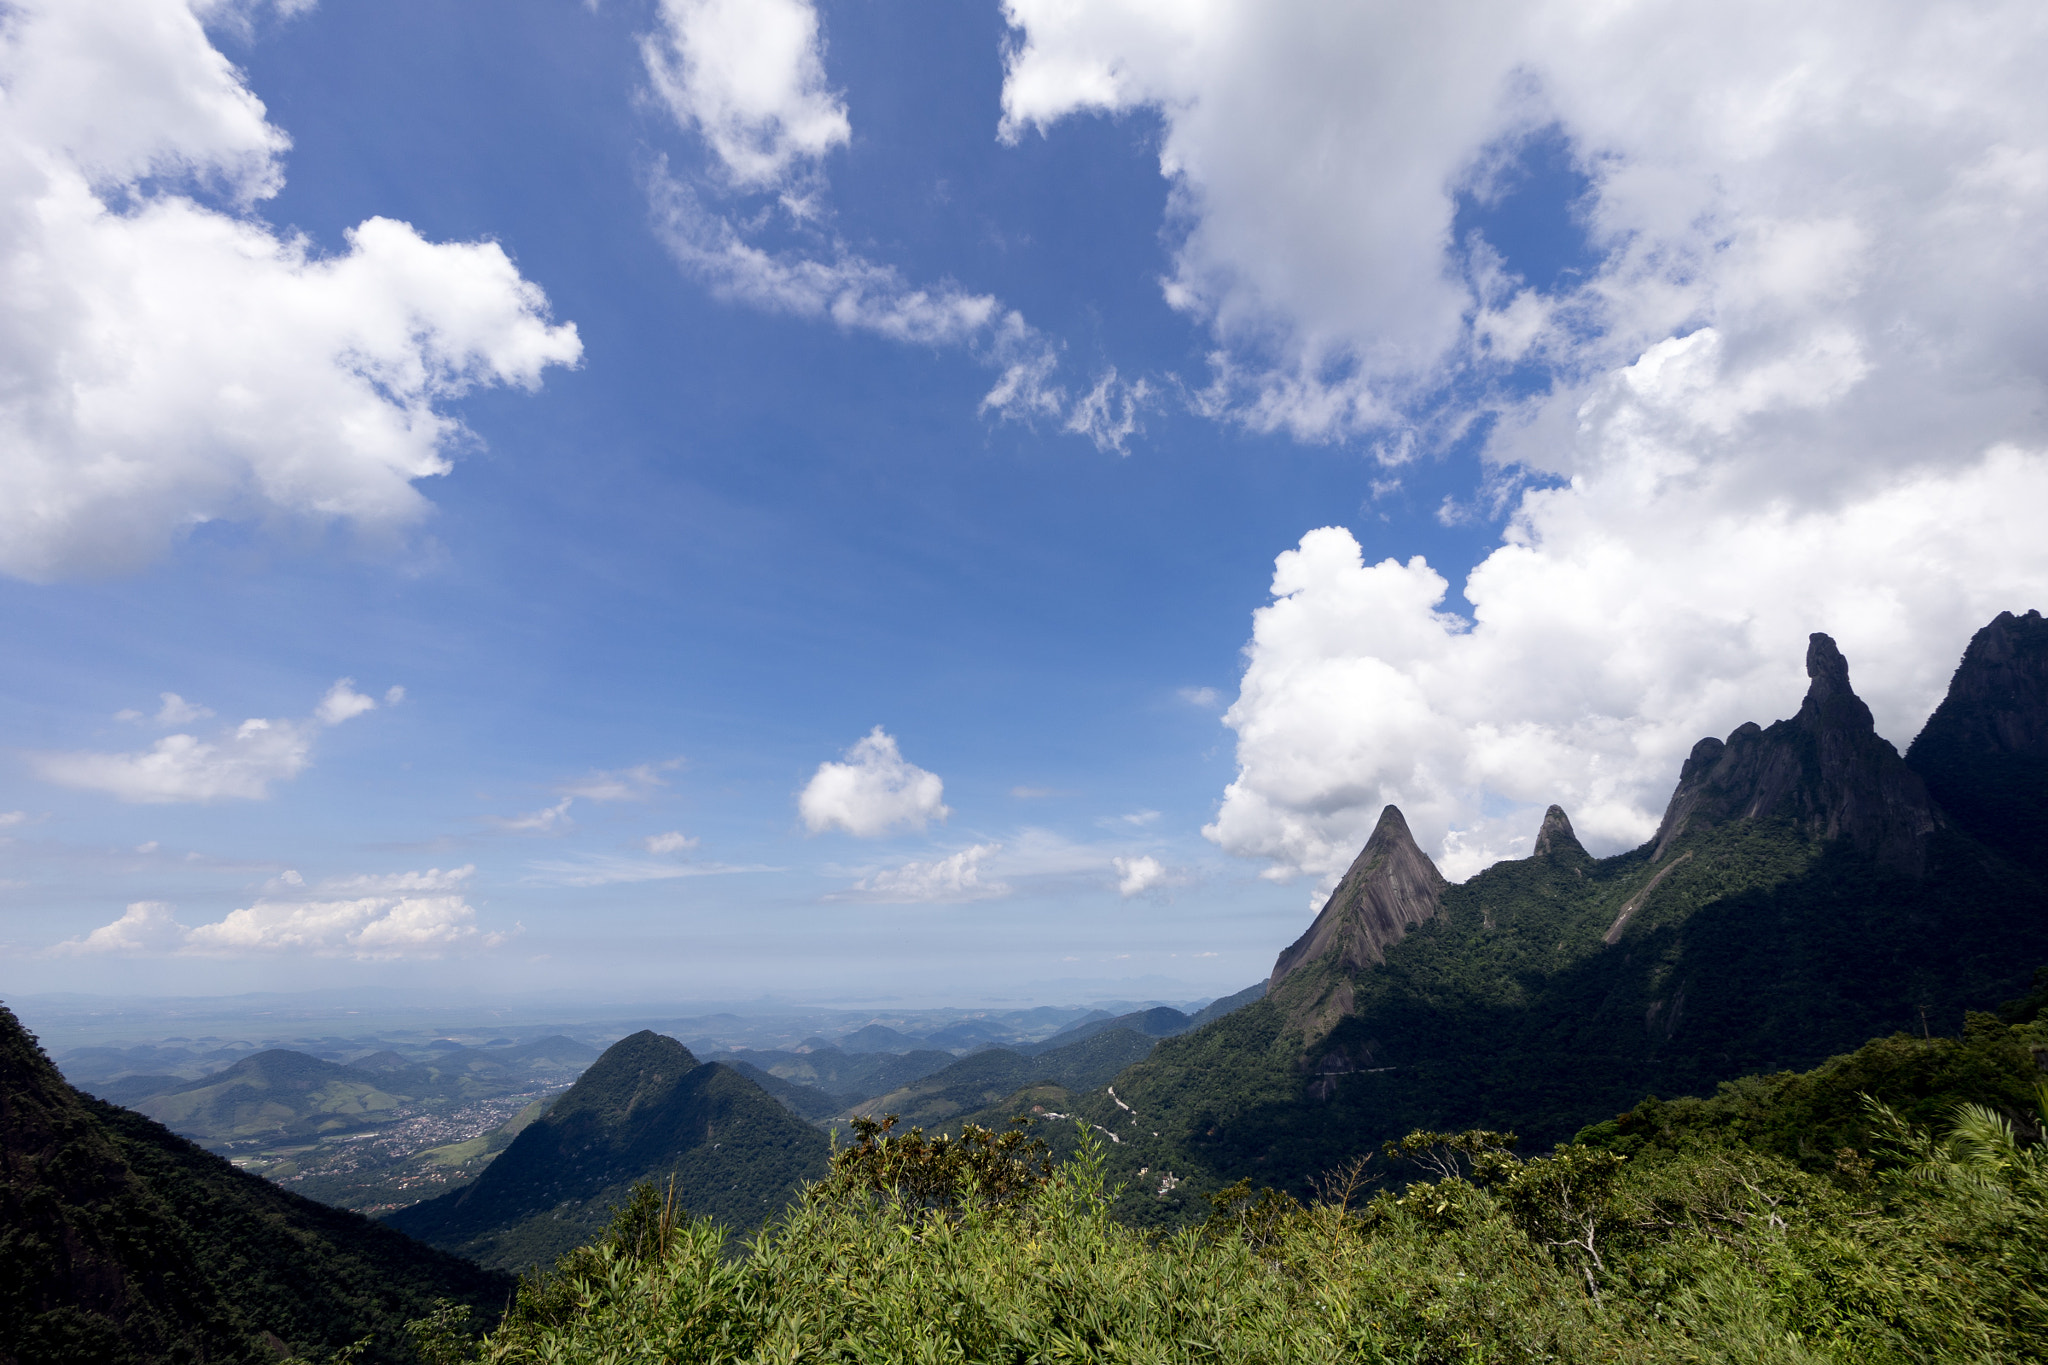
1390,886
1826,769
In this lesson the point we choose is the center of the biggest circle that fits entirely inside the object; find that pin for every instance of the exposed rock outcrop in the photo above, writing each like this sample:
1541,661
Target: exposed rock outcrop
1984,751
1391,886
1556,839
1826,769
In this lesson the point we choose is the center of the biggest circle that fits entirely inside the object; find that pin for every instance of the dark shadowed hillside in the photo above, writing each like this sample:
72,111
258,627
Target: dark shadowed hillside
646,1110
120,1241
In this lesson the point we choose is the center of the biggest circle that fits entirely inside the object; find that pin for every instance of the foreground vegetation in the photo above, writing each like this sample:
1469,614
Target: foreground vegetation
1698,1230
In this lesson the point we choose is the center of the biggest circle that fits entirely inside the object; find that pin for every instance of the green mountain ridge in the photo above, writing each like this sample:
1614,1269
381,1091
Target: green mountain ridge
274,1094
988,1079
851,1076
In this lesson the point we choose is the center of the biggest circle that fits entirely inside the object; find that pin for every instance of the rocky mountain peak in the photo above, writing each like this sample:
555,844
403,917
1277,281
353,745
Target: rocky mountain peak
1556,838
1390,886
1984,751
1829,698
1997,701
1826,769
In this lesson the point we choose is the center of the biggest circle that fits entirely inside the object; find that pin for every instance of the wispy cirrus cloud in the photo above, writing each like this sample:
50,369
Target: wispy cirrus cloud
599,869
1030,860
748,78
637,783
954,879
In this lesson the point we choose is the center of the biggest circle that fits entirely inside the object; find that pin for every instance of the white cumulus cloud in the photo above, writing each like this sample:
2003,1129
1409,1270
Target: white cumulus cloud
145,927
378,883
749,76
239,763
875,791
953,879
164,362
674,841
1610,634
341,703
1135,876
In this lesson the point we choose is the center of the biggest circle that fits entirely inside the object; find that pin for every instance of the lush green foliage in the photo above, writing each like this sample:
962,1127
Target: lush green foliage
1711,1250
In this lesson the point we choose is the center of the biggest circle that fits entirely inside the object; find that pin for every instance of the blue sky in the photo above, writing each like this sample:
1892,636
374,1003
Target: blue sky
1603,328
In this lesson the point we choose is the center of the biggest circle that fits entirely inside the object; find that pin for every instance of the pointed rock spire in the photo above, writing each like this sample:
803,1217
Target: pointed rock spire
1826,769
1391,885
1829,698
1556,837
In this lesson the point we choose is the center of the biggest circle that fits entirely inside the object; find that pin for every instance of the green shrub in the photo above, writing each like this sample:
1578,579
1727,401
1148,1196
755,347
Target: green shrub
979,1250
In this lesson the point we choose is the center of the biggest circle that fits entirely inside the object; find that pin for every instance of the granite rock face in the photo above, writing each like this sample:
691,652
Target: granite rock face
1391,886
1826,769
1984,751
1556,840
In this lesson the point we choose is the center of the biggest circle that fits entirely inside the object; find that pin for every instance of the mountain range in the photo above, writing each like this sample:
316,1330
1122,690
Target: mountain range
1807,888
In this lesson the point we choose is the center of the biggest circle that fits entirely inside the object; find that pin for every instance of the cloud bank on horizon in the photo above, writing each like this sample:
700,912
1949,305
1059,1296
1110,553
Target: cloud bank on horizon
371,918
1801,389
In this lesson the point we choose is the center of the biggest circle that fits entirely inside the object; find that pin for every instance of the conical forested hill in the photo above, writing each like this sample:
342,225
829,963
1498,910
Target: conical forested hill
1804,893
120,1241
646,1110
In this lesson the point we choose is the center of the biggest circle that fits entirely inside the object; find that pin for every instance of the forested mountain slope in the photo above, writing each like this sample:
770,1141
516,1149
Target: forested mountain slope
120,1241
